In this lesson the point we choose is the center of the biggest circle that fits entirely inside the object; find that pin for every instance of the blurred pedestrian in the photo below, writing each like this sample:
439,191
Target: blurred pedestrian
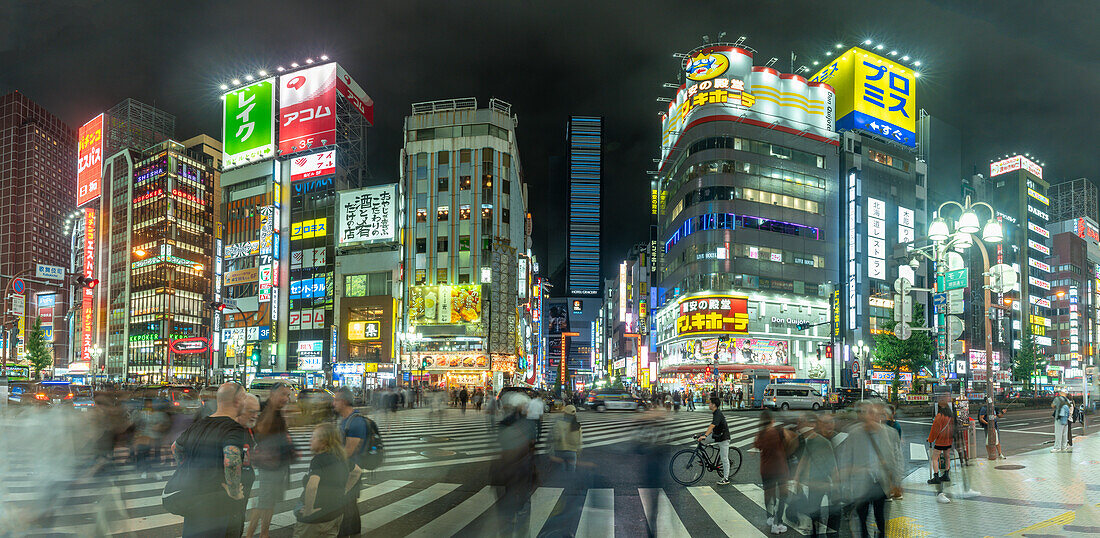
817,472
272,456
740,398
870,462
1061,419
773,470
463,397
213,449
151,426
566,438
479,397
356,431
940,437
325,485
535,408
250,411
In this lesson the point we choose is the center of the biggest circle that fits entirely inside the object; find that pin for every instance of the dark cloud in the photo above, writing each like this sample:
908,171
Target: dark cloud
1012,75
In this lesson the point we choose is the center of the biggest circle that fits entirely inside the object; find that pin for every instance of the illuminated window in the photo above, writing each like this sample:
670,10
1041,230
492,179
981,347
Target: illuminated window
442,213
421,215
464,182
464,212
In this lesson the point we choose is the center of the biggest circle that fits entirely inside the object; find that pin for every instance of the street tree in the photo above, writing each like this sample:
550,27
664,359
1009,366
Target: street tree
896,355
1026,362
38,354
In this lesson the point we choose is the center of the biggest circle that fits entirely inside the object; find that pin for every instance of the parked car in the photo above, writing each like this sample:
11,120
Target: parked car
83,397
22,393
603,400
261,387
849,396
182,399
792,396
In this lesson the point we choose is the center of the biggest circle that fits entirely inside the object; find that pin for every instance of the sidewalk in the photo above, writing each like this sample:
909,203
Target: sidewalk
1036,493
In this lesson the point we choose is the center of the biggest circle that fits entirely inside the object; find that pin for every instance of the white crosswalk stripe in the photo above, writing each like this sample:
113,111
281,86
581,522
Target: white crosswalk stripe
389,502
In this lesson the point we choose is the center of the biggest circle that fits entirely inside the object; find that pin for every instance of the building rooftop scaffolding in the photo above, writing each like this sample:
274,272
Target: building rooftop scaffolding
443,105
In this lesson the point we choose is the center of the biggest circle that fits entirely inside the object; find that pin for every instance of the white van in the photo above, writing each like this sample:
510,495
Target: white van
261,387
792,396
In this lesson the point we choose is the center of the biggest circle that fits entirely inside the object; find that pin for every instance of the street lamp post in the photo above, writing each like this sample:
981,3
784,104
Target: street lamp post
939,232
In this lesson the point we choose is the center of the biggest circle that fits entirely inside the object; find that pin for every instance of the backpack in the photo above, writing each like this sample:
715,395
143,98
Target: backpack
373,451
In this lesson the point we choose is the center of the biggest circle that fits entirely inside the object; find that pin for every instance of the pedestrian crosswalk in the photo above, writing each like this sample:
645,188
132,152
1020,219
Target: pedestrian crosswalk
397,502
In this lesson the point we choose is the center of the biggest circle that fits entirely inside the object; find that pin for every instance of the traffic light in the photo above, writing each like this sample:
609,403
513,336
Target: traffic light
829,351
86,282
802,326
256,357
217,305
424,364
819,353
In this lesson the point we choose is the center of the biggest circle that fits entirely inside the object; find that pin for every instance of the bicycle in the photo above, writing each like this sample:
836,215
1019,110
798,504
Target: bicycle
688,465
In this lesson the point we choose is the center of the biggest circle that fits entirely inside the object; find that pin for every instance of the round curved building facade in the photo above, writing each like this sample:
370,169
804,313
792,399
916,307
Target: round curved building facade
748,223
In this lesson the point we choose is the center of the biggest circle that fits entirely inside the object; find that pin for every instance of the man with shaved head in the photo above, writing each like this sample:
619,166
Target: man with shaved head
214,452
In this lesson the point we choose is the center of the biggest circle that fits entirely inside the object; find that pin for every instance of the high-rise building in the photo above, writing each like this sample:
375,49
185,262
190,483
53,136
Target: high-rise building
160,282
276,250
585,138
37,179
1074,199
468,242
748,220
1017,191
1073,330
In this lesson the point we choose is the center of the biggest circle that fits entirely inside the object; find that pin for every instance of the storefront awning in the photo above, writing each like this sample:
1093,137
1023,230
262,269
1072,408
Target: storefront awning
726,368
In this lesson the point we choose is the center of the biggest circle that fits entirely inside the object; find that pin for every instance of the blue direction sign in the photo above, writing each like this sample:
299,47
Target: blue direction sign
939,300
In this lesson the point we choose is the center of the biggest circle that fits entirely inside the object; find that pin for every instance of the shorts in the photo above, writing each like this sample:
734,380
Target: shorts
270,487
943,448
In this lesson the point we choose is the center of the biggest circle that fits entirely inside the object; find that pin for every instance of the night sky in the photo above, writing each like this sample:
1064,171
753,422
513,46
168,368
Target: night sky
1012,75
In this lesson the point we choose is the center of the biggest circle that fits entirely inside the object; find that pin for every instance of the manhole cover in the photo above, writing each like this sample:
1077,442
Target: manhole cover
435,439
437,453
1009,467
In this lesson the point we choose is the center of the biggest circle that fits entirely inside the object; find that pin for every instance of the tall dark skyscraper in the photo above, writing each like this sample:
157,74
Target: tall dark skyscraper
37,182
585,135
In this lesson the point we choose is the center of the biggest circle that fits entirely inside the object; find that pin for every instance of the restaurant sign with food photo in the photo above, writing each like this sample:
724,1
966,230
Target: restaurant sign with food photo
448,361
445,305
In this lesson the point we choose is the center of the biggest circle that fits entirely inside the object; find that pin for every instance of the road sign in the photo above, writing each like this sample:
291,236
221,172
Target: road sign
956,279
49,272
855,368
18,286
903,331
902,285
955,301
1002,278
939,300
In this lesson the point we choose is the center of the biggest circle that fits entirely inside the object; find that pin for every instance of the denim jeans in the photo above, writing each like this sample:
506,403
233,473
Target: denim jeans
724,457
570,459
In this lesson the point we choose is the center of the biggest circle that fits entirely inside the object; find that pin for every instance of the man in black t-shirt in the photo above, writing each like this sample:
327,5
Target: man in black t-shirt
720,435
213,450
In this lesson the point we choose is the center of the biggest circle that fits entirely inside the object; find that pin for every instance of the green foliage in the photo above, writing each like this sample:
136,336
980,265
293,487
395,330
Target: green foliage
37,352
1025,363
913,354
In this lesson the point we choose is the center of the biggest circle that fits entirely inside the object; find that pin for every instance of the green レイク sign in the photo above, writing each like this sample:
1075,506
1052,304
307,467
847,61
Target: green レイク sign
248,124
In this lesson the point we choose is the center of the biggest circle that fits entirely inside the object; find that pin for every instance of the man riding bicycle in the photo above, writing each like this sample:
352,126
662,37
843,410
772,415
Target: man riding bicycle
720,435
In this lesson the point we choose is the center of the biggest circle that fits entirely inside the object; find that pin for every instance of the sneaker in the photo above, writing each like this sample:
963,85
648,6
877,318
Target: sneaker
1003,457
934,480
723,482
144,476
1053,450
942,499
779,529
946,477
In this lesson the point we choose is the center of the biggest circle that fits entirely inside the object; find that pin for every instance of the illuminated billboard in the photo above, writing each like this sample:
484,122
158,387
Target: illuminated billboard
248,124
873,94
365,330
308,228
89,168
712,314
445,305
87,303
723,84
1016,162
307,109
322,163
367,215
